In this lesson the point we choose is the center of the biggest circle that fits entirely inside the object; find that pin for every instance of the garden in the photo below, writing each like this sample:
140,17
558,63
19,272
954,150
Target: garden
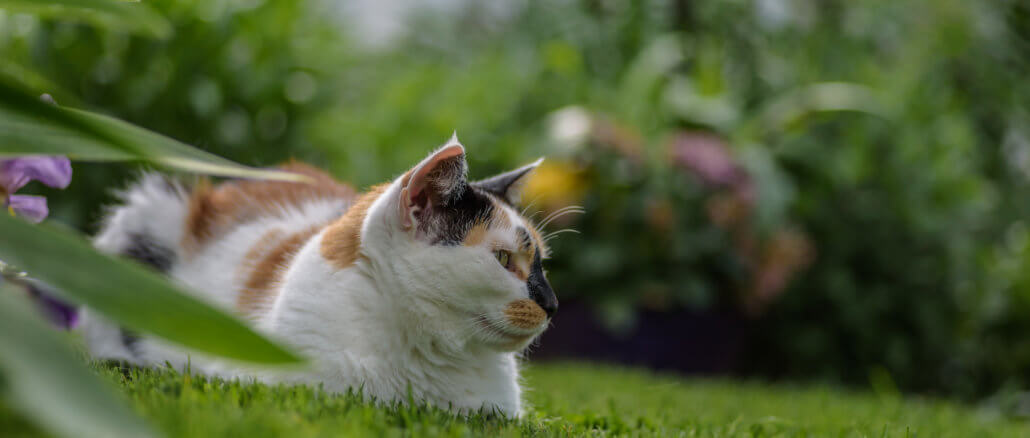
767,217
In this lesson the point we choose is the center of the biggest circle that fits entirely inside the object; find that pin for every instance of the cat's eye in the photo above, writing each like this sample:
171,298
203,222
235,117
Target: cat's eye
503,257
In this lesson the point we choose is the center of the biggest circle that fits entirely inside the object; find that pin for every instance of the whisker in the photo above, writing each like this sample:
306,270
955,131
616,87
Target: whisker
562,212
474,326
559,213
568,207
481,325
554,234
531,204
563,230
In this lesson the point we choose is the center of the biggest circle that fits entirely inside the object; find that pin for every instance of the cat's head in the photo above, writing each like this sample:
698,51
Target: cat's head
457,255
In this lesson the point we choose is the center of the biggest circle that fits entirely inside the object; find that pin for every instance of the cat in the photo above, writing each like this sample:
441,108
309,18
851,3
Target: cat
429,283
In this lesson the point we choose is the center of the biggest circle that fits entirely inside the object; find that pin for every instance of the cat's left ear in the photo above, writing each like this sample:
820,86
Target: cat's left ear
508,185
433,183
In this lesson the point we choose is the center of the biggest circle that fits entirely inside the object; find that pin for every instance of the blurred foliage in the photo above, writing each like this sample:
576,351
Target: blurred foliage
850,175
45,380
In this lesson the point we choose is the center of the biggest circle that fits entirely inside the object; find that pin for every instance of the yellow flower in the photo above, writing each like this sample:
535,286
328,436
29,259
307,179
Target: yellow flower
554,184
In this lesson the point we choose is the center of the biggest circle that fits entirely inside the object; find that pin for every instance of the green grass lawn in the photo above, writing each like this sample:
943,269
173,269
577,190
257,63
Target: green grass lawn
566,400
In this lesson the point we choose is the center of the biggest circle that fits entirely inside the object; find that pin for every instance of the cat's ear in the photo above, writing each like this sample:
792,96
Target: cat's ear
433,182
508,185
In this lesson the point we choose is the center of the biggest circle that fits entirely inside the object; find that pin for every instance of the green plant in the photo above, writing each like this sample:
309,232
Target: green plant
45,382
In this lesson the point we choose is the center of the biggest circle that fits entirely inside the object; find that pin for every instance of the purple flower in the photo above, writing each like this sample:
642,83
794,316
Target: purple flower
55,172
61,314
707,156
16,172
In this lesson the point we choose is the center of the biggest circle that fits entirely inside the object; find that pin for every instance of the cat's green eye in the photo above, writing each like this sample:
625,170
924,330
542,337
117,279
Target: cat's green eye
503,257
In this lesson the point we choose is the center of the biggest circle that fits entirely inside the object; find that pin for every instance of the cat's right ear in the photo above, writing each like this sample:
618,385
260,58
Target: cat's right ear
432,183
508,185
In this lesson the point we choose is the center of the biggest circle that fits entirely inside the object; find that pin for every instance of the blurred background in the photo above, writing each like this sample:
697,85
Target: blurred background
823,190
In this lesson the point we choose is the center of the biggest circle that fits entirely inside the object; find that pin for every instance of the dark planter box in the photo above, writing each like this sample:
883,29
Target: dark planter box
685,341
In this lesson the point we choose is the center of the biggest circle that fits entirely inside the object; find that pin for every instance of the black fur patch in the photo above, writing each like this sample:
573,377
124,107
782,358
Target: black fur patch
449,223
130,341
145,250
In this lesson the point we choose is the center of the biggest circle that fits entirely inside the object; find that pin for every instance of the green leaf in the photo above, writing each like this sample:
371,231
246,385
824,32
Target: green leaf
47,382
28,126
792,106
130,294
131,16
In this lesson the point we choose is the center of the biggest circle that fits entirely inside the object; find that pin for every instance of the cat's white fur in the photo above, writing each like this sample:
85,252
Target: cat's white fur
404,317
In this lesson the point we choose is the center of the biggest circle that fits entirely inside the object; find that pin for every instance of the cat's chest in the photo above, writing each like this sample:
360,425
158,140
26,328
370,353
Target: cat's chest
388,369
471,384
360,339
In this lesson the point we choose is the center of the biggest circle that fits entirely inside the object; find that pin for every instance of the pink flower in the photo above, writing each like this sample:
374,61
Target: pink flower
16,172
707,156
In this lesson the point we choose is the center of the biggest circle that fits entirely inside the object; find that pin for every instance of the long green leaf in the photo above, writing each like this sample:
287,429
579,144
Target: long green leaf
29,126
819,97
48,383
131,16
133,296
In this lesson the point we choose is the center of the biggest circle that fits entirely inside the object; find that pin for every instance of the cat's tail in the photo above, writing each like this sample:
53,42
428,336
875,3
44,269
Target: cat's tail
149,222
146,226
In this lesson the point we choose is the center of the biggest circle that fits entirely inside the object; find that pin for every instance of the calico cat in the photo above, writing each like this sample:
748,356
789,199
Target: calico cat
430,282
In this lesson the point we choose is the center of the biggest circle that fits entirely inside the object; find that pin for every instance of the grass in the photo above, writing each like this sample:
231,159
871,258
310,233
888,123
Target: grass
567,400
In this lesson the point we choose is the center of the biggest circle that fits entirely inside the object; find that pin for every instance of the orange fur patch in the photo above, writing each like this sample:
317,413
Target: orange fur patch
479,231
524,314
251,261
342,240
477,234
215,209
271,263
538,241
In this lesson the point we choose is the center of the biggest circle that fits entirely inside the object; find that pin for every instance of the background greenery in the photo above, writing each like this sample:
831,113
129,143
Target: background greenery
859,196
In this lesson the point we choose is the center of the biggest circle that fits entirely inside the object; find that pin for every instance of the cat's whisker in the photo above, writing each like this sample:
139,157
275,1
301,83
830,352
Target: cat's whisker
574,209
481,324
557,214
553,234
571,208
530,205
546,235
560,210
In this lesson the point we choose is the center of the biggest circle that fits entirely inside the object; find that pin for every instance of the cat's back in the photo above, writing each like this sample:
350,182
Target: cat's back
228,241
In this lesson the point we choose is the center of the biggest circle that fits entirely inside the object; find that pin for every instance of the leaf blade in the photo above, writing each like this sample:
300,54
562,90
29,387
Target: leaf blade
49,384
137,18
131,294
29,126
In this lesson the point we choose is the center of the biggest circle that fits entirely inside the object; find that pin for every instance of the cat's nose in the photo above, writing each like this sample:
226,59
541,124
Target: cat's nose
549,305
541,293
539,289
